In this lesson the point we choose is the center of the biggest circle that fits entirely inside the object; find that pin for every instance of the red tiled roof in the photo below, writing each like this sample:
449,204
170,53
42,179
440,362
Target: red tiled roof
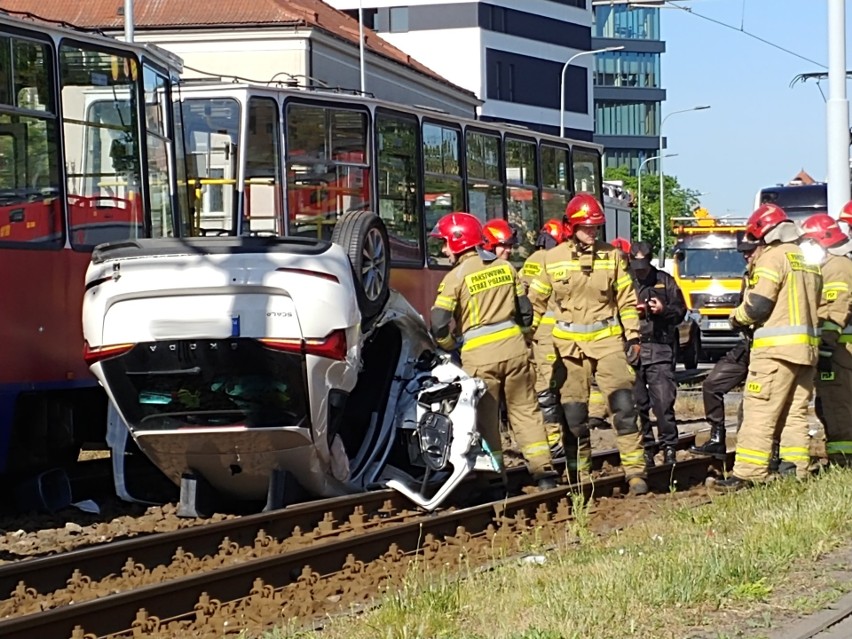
166,14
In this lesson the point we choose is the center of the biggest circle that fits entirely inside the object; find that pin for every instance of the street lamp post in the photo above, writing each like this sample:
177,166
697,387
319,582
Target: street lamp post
639,174
562,83
662,254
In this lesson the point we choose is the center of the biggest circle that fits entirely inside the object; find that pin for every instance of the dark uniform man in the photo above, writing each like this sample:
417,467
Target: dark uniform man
781,304
661,309
484,297
728,373
596,334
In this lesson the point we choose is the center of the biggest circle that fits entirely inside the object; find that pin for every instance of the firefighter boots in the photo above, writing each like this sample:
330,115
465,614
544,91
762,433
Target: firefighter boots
715,446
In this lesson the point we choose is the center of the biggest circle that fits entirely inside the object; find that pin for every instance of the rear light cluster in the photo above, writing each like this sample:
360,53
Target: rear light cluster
332,346
100,353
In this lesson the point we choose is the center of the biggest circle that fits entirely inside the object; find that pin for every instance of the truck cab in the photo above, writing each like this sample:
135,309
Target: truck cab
709,269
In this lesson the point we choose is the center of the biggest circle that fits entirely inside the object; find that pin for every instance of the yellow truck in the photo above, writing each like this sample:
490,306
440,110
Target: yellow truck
709,269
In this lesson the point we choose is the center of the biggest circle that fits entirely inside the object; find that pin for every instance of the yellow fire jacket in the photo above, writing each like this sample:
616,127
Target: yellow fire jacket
483,300
593,297
834,308
781,304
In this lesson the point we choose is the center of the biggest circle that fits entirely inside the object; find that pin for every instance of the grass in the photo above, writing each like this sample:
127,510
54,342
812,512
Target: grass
675,575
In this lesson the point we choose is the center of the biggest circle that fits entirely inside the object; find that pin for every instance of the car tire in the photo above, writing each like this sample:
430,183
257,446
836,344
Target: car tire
363,236
691,352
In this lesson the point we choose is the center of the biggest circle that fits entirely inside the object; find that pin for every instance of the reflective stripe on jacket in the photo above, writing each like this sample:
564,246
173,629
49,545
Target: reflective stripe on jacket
789,288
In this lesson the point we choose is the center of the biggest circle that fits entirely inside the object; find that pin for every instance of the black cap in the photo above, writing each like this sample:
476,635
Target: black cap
640,255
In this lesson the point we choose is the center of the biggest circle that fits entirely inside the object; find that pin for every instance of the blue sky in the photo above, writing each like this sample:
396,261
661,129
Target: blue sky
759,131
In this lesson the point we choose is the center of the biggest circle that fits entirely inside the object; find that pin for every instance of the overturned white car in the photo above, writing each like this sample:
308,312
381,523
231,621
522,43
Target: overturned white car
243,366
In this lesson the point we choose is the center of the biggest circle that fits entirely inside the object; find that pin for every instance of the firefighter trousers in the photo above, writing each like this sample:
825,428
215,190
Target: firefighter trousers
549,377
834,409
655,389
728,373
615,379
514,379
775,403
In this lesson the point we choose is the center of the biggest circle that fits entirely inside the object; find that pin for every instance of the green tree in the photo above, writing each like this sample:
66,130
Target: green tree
680,202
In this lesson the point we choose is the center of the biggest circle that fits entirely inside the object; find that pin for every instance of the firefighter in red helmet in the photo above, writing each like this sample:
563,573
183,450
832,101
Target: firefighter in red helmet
596,334
780,305
482,296
834,366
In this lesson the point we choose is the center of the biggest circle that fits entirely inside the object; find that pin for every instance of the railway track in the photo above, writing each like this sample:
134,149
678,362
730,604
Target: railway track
298,562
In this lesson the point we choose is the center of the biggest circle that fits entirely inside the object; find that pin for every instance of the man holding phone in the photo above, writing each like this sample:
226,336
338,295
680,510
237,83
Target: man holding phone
661,308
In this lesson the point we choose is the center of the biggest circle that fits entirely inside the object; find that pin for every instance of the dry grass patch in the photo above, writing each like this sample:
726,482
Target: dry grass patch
681,574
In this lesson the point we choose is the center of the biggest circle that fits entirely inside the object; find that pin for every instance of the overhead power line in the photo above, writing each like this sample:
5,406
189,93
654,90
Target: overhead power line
740,29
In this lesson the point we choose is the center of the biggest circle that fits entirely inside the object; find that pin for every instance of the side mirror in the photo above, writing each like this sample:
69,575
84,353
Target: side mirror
680,256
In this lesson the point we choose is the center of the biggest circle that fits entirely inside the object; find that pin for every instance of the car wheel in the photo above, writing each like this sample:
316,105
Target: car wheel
690,353
363,236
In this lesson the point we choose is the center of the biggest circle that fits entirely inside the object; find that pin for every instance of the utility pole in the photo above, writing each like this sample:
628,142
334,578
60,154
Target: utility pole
128,20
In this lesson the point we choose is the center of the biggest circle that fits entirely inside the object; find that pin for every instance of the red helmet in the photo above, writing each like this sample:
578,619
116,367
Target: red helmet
584,209
764,219
498,232
824,230
621,244
462,231
553,228
846,213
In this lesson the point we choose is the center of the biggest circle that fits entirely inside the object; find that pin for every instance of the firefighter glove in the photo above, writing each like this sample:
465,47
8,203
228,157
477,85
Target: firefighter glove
732,318
632,348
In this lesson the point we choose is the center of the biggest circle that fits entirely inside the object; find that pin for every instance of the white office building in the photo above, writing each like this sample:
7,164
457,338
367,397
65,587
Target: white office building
509,53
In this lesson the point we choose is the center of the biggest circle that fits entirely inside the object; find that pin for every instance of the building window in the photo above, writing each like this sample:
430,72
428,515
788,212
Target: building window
632,23
631,69
626,118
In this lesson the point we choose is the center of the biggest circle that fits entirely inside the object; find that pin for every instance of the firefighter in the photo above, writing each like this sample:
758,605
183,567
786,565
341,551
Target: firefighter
661,309
549,371
483,296
834,366
595,304
780,304
728,373
500,238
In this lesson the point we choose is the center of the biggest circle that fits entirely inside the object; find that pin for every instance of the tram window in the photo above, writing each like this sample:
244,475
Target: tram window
442,185
30,208
399,204
522,196
158,147
263,215
101,133
585,163
211,131
554,172
328,171
484,183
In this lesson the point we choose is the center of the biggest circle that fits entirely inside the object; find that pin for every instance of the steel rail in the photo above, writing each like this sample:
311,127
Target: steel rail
51,573
177,598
